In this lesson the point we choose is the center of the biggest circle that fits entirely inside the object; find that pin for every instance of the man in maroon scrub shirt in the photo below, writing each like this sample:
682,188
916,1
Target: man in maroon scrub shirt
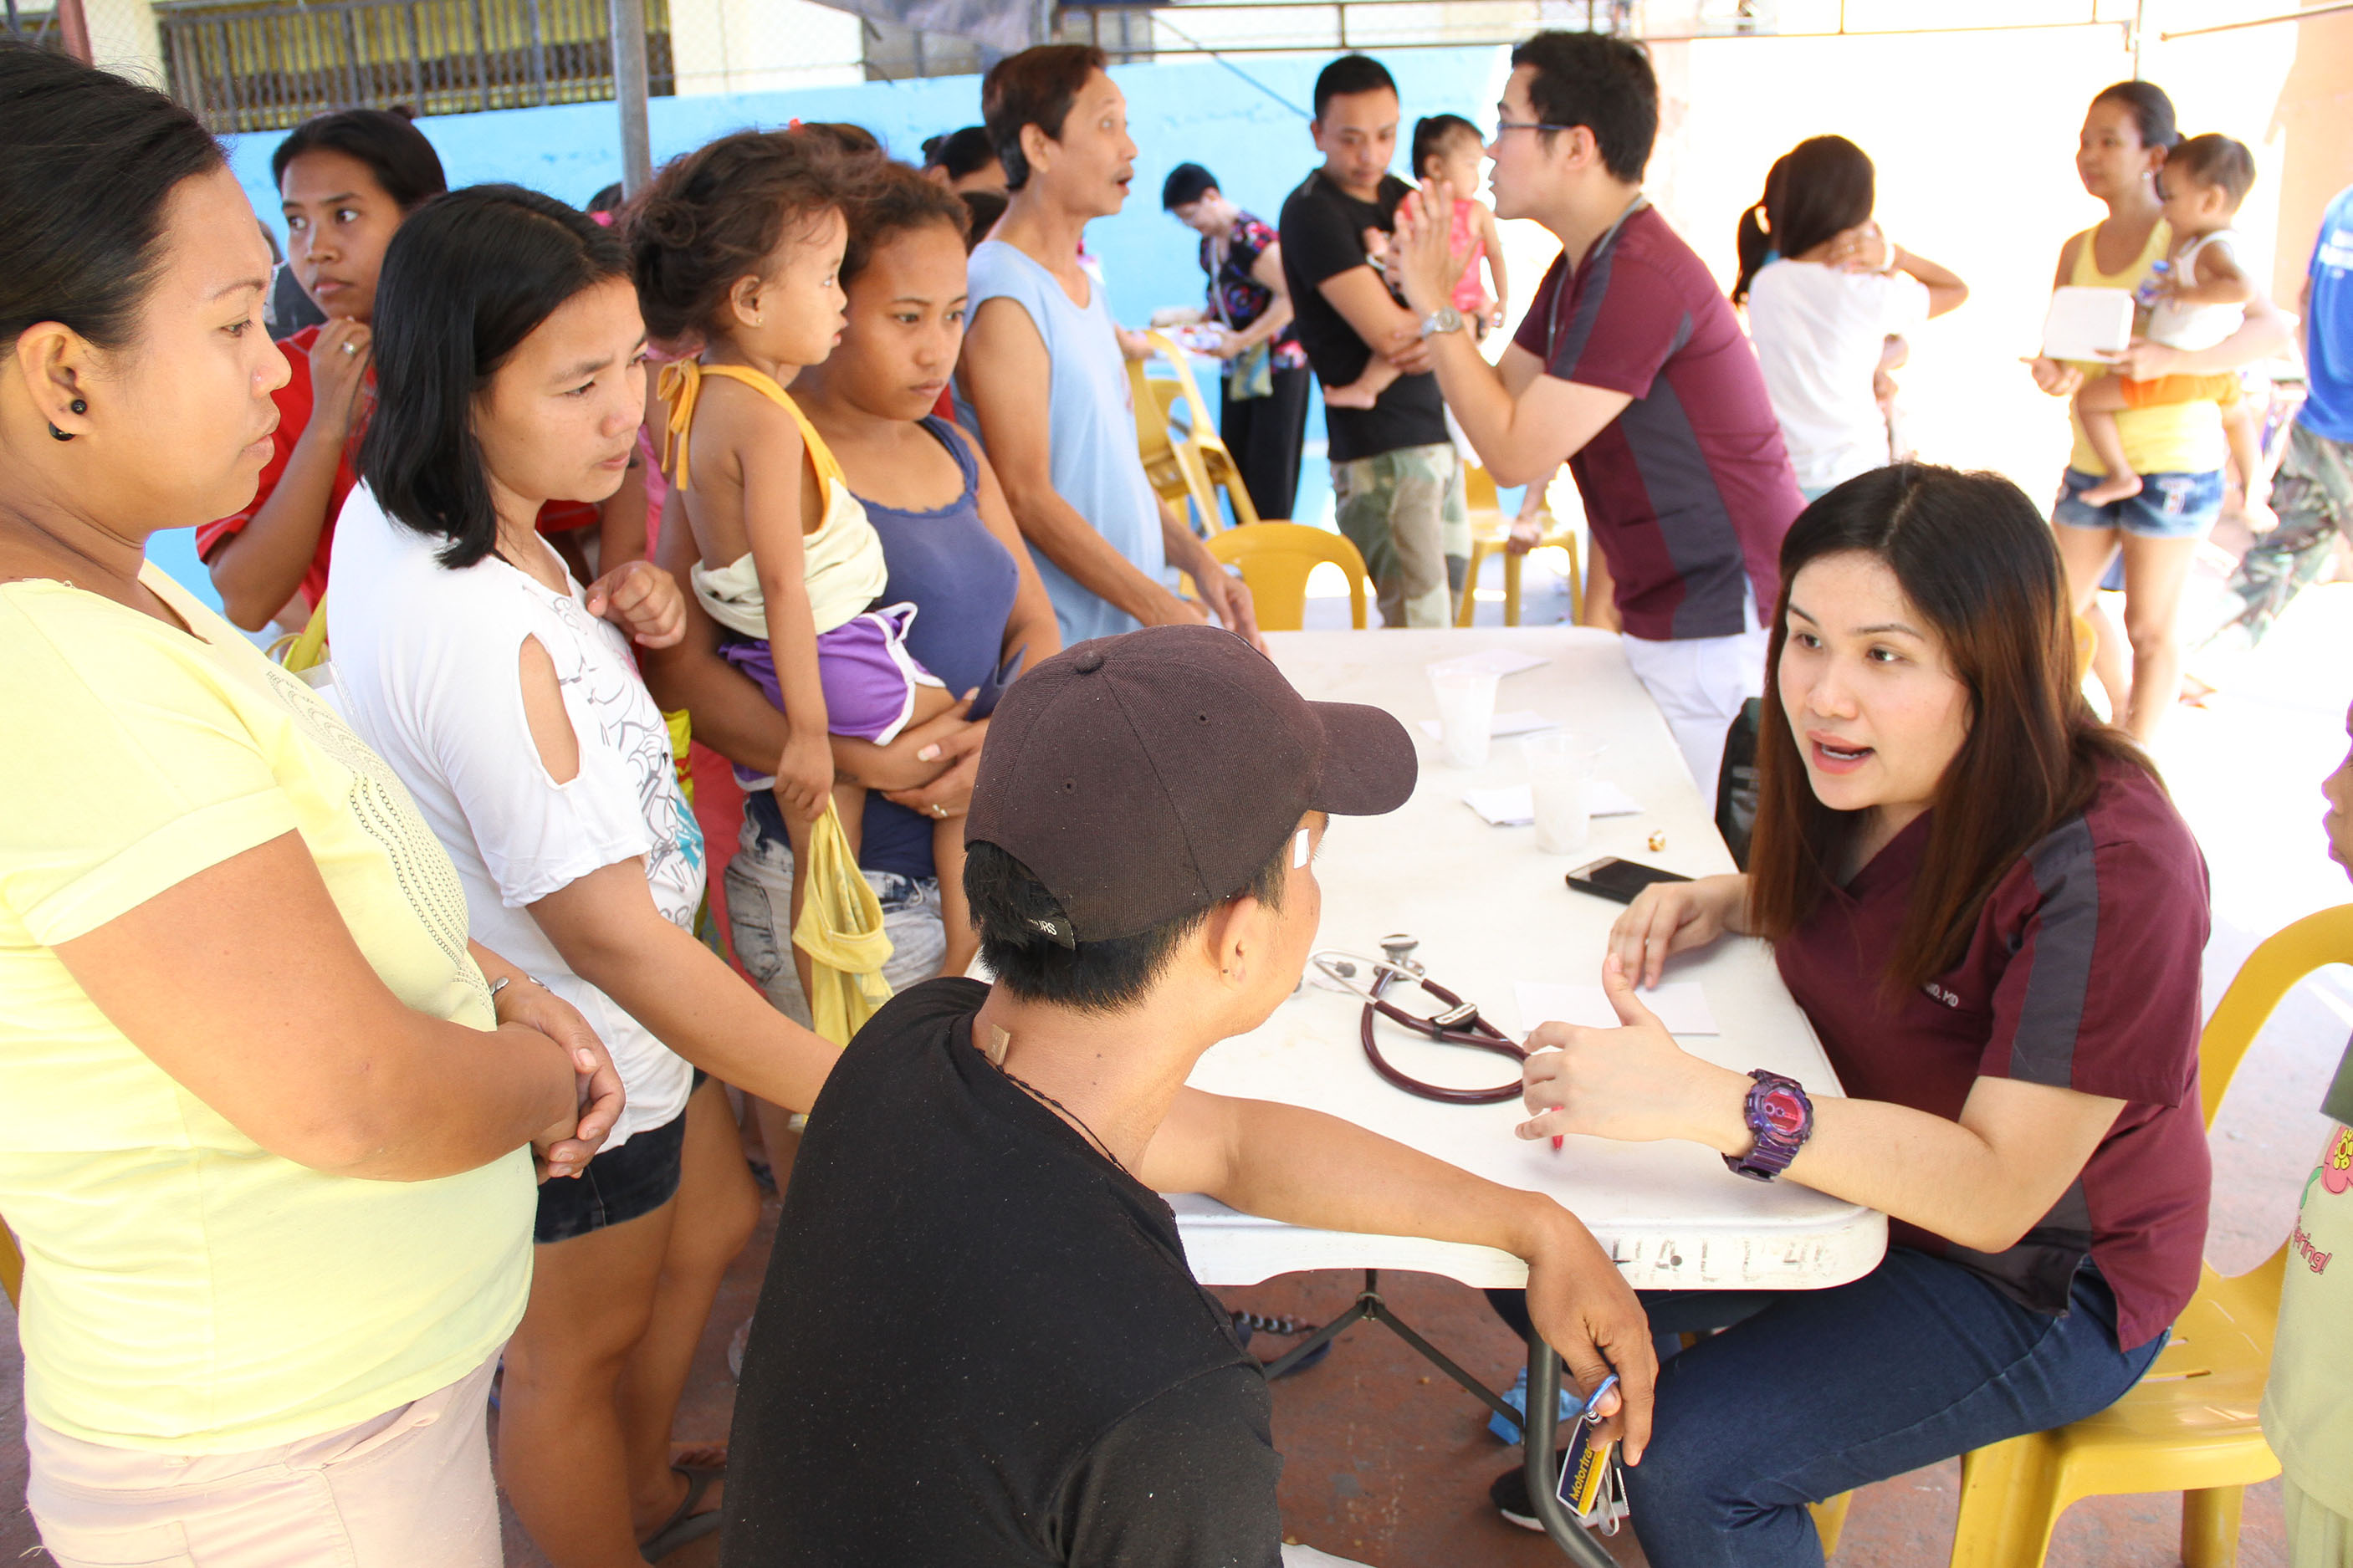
1633,369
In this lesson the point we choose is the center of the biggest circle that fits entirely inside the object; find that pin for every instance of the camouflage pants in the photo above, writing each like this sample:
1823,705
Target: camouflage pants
1405,512
2313,498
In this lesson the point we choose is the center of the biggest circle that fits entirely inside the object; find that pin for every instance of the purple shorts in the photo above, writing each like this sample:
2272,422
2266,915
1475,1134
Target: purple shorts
863,665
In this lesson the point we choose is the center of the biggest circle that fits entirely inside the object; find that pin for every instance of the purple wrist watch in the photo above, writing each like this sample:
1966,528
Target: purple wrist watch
1781,1116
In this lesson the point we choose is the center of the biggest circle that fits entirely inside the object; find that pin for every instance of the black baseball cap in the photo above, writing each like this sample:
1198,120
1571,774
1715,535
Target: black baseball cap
1149,776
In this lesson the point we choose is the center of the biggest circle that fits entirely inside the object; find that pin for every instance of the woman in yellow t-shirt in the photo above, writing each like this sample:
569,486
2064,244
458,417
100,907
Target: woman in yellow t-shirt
2177,447
268,1119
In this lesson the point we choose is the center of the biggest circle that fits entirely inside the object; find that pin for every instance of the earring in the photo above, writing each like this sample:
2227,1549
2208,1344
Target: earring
79,406
60,434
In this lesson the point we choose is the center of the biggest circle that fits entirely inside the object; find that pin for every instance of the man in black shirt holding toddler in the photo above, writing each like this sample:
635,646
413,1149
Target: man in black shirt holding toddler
979,1343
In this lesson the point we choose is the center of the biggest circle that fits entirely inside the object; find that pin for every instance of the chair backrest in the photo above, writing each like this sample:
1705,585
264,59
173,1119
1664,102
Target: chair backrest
1172,466
1479,489
1203,422
1276,560
2271,971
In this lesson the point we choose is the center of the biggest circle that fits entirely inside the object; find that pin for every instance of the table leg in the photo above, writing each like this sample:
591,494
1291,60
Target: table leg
1536,1442
1543,1395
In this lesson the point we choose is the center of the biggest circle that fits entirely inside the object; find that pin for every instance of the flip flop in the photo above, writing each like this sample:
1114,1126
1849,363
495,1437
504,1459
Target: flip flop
684,1524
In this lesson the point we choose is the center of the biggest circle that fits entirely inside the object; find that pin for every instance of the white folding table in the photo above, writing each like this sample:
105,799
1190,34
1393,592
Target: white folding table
1491,910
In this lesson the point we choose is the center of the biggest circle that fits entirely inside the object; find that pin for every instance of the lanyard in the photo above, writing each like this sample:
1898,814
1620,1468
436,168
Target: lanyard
1570,269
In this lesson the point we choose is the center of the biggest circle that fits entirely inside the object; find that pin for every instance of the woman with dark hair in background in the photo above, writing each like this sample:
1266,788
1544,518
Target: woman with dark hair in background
1825,292
1992,915
1262,393
266,1116
2176,448
965,161
510,374
346,181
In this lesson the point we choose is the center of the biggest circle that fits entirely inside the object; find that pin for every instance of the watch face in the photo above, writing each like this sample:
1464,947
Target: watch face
1783,1111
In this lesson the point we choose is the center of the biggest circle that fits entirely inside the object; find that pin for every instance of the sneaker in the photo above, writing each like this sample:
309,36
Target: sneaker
1509,1493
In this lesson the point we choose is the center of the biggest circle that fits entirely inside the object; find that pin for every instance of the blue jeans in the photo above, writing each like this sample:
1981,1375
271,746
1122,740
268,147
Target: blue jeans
1826,1391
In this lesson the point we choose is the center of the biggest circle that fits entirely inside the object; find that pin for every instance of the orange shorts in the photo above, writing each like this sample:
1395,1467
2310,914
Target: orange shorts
2222,389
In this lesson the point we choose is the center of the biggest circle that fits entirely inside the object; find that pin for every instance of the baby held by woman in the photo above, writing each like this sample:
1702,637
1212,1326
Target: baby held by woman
736,249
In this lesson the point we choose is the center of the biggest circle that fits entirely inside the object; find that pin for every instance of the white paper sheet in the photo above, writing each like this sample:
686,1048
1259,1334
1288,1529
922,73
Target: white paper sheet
1513,806
1502,660
1681,1006
1519,721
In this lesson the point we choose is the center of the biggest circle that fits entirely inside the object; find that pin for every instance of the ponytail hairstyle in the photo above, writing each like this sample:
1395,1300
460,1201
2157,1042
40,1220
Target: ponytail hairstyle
2151,112
1431,136
386,140
465,281
1818,189
92,160
897,201
714,216
1978,563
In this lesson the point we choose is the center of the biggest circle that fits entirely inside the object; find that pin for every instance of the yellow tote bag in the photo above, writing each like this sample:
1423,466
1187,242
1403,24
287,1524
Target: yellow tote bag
305,649
841,929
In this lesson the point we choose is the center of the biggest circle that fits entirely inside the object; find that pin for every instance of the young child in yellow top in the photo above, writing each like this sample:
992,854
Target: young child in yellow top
1447,149
2200,301
737,247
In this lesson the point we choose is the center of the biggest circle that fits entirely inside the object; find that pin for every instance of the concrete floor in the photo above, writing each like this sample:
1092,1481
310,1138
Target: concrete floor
1388,1463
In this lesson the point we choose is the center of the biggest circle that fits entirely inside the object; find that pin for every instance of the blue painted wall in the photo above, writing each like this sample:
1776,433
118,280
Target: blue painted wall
1253,137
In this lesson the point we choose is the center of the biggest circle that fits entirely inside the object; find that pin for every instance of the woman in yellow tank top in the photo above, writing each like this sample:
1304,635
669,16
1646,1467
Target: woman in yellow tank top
2178,448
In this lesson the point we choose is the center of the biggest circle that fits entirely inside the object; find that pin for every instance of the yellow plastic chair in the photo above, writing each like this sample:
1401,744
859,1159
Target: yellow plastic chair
1277,558
12,1265
1173,466
1491,534
1211,457
2189,1425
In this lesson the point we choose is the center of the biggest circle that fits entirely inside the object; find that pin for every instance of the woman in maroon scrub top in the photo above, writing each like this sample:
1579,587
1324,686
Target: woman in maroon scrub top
1992,914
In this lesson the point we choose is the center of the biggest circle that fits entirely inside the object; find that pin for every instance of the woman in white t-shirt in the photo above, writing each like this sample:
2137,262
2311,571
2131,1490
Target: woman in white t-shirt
1824,291
510,364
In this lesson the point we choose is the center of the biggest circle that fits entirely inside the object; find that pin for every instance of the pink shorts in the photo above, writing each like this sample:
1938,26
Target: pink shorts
404,1488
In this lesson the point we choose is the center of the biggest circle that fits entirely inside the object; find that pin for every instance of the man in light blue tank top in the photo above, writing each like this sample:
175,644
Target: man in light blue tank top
1068,460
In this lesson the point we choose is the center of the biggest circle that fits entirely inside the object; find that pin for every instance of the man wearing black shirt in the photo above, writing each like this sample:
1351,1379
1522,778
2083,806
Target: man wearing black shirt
979,1346
1395,475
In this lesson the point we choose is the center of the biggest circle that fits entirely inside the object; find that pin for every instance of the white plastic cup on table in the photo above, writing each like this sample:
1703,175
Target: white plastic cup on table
1466,711
1560,787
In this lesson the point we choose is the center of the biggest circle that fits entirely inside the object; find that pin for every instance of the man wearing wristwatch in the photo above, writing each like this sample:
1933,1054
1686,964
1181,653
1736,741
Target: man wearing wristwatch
1395,476
1631,367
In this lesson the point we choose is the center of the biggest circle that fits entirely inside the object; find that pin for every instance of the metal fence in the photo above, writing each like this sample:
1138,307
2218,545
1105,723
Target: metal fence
265,68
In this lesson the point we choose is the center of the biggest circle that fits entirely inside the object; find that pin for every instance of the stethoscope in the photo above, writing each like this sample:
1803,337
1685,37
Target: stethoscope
1457,1023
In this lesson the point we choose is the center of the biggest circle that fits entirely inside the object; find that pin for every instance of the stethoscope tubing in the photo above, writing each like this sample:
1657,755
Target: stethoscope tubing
1460,1025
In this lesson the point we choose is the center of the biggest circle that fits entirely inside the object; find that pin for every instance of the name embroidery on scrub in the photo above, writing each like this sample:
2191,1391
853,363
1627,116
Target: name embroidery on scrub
1936,992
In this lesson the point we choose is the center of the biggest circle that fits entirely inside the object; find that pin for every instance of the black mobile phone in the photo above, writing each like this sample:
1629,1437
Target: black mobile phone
1619,880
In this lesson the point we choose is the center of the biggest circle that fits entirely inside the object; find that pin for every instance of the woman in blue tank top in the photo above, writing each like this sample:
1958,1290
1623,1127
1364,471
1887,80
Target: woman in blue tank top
952,550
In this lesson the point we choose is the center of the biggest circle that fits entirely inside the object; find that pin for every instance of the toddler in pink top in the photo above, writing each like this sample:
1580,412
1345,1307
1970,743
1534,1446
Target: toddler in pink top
1447,149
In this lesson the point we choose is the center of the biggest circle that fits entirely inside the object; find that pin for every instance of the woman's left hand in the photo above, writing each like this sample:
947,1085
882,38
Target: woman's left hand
601,1097
1422,260
1632,1083
950,794
2145,360
643,600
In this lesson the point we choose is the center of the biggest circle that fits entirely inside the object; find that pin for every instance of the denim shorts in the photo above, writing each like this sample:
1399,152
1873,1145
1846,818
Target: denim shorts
619,1185
2170,506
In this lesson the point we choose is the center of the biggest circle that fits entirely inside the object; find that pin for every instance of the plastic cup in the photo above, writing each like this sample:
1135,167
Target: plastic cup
1466,712
1561,786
